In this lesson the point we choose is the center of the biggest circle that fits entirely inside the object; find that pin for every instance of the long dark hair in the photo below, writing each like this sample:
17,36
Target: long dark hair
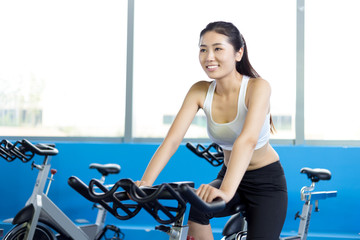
237,40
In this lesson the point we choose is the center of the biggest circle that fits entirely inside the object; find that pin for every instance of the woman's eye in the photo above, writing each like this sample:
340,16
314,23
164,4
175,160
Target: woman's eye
202,50
218,49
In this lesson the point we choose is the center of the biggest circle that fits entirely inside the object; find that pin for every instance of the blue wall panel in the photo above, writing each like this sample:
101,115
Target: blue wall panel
338,215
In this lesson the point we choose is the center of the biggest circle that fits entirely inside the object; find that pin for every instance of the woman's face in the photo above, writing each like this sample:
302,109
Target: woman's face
217,56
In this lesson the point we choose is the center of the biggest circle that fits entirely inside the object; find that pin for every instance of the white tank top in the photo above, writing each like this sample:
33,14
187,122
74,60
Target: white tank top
225,134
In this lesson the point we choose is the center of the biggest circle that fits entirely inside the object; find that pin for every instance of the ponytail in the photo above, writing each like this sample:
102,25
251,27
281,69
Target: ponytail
244,67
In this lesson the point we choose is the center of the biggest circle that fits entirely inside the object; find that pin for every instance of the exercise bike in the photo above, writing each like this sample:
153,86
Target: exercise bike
235,228
41,218
167,202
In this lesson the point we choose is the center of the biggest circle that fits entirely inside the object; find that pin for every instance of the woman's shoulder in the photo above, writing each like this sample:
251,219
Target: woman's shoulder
257,88
201,86
256,83
198,92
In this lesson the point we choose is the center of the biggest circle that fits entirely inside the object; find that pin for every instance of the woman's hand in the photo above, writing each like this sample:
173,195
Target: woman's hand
208,193
141,183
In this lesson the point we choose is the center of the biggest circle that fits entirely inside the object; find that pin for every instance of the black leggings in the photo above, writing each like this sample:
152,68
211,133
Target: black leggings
264,193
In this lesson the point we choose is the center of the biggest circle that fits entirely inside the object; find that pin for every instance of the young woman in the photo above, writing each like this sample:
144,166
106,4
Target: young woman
237,106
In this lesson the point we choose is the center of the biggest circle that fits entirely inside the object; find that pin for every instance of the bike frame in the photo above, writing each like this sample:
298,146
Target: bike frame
39,208
310,199
179,230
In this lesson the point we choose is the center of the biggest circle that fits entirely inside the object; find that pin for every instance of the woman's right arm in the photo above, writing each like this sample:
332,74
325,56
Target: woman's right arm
193,101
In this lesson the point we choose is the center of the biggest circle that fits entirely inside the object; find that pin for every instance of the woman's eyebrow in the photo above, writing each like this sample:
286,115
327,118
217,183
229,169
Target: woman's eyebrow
215,44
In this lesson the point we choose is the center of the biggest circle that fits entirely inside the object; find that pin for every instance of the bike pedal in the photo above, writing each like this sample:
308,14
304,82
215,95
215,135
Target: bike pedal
163,228
113,228
297,215
118,234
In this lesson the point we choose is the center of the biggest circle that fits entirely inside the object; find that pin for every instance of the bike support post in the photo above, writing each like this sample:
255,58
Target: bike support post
179,231
305,220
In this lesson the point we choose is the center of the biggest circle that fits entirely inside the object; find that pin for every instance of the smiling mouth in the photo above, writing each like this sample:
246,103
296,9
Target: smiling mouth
212,67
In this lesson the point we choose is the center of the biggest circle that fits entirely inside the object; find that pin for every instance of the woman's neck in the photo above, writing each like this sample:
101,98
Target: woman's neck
225,86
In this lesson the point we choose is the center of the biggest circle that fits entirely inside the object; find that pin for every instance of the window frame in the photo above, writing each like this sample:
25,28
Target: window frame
128,131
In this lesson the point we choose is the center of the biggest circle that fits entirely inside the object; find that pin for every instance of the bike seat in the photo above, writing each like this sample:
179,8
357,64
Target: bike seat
106,169
236,222
316,174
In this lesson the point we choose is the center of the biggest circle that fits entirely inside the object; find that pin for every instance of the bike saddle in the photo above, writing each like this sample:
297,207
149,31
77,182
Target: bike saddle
316,174
106,169
236,222
234,225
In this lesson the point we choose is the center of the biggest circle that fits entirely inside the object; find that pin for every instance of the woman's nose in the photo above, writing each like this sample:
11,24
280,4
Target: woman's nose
210,56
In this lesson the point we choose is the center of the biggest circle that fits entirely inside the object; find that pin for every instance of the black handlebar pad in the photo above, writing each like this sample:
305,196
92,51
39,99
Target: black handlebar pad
6,150
144,197
214,158
215,206
40,149
148,198
120,210
126,203
25,150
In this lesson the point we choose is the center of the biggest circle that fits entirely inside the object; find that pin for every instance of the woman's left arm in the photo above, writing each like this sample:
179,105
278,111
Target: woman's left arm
258,103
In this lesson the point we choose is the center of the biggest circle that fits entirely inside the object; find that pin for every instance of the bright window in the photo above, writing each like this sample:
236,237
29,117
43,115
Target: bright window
331,62
62,68
166,57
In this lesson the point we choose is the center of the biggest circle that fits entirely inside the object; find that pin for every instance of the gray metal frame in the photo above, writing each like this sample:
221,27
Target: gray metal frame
129,73
299,111
46,210
300,66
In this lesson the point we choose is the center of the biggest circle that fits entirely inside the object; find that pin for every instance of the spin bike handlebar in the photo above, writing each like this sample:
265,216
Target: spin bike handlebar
116,200
40,148
25,150
214,158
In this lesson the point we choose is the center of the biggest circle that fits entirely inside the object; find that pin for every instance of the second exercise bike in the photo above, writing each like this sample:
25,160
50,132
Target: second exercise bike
41,219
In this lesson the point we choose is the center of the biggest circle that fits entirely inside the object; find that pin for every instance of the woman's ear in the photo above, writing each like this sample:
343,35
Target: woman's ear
239,54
